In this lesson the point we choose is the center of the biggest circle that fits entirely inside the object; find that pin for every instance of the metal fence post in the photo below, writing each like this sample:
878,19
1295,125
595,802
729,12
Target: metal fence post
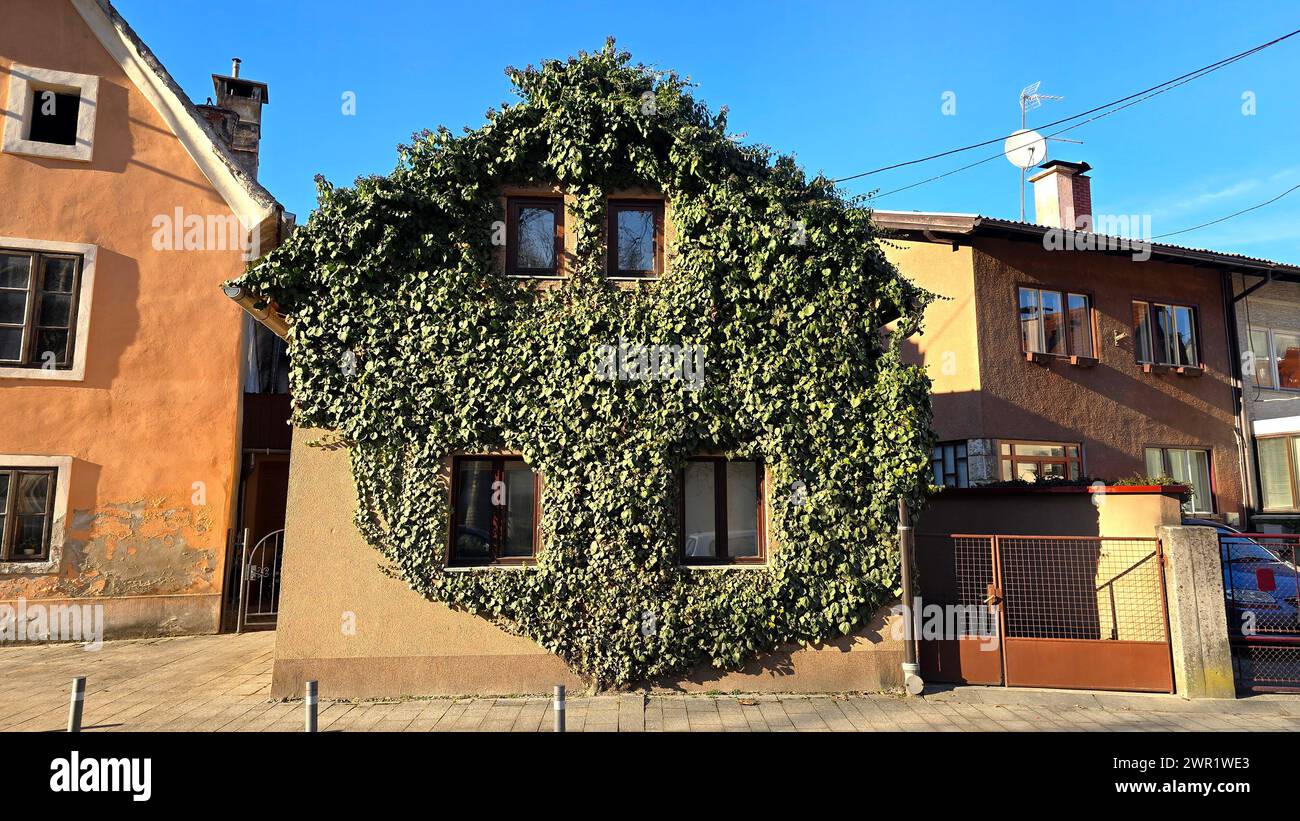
243,585
78,701
558,706
309,704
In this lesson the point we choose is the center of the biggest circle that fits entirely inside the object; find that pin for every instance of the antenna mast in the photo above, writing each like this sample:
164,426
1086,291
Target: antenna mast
1029,100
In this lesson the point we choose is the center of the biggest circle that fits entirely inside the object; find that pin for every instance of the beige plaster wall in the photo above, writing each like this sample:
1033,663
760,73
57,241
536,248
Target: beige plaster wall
403,644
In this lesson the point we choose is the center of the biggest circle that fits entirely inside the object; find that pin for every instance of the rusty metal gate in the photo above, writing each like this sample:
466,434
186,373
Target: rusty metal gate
1082,612
1260,586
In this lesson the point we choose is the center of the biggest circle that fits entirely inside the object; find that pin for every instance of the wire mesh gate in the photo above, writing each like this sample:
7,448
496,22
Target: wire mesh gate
1260,583
1065,611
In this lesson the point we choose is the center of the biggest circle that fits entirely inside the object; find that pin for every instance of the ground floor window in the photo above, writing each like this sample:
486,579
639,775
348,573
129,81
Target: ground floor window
1189,466
1034,461
26,513
494,502
720,508
948,463
1278,478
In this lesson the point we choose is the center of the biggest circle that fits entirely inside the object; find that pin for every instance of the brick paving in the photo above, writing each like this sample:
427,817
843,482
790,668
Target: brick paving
222,683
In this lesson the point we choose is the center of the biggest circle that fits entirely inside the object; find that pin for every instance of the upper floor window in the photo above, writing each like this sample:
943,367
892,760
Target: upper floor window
1277,358
948,463
1055,322
1190,466
51,113
1165,334
1035,461
1279,480
720,508
38,309
26,513
494,502
535,236
636,238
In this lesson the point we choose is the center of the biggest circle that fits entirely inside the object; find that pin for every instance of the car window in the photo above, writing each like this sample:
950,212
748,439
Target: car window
1244,550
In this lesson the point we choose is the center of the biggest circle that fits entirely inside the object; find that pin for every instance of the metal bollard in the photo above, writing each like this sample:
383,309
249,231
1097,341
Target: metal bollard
558,704
309,704
78,701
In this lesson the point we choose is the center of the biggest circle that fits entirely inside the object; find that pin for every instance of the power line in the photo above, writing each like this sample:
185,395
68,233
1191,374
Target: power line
1230,216
1158,88
1164,87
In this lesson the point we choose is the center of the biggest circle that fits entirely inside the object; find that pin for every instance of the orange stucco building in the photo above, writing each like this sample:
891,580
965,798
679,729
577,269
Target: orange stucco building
121,364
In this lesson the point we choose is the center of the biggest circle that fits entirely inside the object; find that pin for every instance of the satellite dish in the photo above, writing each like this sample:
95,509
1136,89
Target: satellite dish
1025,149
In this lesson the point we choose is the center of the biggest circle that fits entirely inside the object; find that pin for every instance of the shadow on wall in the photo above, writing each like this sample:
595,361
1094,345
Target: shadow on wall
867,659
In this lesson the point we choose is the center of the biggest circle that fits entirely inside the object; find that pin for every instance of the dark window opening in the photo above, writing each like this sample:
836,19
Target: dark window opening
54,117
495,513
268,361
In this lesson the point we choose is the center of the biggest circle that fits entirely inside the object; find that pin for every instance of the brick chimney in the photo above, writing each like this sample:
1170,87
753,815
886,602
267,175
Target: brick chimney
1063,195
237,115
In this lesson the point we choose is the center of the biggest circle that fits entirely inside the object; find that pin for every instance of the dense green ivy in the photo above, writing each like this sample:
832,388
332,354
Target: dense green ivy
407,341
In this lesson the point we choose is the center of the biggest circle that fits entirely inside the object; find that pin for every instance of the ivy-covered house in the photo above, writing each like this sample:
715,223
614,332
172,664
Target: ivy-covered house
592,394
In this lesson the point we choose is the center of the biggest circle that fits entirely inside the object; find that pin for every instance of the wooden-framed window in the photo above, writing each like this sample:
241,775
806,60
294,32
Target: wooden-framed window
1032,461
1276,356
949,464
535,236
38,308
1191,467
1279,479
26,513
1166,334
495,511
720,512
1057,323
636,238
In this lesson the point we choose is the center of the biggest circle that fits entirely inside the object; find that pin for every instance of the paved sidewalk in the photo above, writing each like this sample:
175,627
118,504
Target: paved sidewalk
210,683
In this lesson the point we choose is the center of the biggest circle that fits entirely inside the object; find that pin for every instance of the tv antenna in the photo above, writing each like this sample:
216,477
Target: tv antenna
1025,148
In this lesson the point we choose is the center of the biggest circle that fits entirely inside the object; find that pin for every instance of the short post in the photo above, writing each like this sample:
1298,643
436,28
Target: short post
78,701
558,706
309,705
913,684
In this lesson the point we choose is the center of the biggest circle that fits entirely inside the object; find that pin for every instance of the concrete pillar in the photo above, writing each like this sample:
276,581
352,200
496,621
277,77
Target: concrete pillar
1198,621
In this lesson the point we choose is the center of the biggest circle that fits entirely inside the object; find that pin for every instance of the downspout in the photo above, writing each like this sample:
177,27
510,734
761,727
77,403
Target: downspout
1241,424
912,681
260,309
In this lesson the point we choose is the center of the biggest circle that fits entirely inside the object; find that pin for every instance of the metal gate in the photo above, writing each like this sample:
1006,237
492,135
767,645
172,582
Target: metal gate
259,588
1260,585
1082,612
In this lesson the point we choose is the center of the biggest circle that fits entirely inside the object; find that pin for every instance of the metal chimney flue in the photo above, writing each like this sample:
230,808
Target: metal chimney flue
234,67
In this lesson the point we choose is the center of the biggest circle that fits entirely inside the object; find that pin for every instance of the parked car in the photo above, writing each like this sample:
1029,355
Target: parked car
1259,586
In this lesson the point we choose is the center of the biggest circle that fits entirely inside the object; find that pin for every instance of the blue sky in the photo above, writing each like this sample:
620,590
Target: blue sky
845,87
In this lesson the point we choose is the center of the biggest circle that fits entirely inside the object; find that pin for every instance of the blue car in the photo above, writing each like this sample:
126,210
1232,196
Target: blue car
1248,566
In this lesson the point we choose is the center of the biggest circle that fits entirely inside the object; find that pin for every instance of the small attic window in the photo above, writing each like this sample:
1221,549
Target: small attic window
50,113
54,117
